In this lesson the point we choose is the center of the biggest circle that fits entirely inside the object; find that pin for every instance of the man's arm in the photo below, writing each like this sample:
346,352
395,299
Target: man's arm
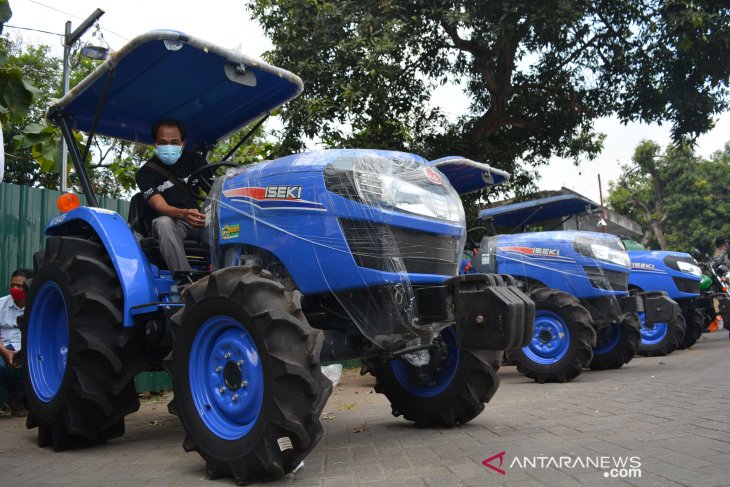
190,215
9,355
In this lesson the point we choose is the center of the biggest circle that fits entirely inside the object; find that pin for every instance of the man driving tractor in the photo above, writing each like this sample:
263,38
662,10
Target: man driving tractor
176,214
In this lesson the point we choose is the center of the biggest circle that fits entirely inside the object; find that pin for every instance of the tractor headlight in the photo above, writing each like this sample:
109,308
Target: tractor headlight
683,263
405,185
602,249
602,252
689,268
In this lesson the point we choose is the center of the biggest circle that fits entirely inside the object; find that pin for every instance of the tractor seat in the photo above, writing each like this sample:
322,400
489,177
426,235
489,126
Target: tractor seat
140,221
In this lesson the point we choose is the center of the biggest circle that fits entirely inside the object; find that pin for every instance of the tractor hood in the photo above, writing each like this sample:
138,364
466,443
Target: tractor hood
169,74
519,214
676,273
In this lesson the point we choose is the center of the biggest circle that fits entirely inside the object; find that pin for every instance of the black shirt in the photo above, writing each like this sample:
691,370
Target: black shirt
150,182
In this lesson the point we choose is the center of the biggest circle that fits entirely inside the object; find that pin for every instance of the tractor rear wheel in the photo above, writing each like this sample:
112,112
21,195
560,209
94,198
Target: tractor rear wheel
561,343
617,344
694,323
450,391
80,360
661,338
245,368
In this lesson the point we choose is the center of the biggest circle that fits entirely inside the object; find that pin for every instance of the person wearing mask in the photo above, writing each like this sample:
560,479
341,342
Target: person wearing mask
11,307
176,213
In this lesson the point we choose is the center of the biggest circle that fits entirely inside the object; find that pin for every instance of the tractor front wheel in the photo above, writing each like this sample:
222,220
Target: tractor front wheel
617,344
449,391
561,343
694,322
661,338
245,369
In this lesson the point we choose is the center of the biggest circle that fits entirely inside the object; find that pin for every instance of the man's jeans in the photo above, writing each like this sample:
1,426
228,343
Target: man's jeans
171,233
11,379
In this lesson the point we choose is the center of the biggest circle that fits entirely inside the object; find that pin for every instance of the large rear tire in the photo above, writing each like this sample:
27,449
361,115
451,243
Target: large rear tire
617,344
694,323
245,367
450,391
661,338
80,360
561,343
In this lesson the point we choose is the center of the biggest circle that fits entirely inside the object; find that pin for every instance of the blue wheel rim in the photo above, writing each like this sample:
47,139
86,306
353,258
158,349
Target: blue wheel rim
652,334
226,377
550,340
441,380
611,338
47,341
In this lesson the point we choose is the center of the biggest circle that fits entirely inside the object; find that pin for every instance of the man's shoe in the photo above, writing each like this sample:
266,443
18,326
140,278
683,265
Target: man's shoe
19,412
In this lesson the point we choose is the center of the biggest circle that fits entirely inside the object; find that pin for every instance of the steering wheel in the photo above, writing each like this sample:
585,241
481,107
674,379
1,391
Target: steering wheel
478,233
196,181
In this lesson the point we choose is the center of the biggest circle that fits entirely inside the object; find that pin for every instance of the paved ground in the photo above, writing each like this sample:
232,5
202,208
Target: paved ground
673,413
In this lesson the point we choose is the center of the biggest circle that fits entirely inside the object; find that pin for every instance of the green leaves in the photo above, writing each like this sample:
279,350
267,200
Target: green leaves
5,13
537,74
16,94
45,145
688,197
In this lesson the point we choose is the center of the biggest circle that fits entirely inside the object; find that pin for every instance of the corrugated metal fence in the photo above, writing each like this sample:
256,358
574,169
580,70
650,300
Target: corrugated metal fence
24,212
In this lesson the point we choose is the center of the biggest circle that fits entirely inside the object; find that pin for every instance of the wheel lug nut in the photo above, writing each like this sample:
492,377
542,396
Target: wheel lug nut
244,384
228,354
221,390
235,397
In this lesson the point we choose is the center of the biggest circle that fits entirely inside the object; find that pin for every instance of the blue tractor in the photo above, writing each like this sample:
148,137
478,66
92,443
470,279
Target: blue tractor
679,275
585,315
313,257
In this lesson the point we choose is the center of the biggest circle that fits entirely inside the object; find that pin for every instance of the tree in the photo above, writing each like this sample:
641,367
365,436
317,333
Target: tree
17,92
538,74
681,201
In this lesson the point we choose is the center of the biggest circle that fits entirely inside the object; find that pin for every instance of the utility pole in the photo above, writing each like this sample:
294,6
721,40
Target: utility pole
603,208
69,39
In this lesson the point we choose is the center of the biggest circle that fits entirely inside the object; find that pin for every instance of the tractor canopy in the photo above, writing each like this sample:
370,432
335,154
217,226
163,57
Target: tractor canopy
540,210
467,176
168,74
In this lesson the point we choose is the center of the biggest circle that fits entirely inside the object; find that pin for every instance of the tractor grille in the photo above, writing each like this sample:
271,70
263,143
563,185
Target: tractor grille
606,279
388,248
687,285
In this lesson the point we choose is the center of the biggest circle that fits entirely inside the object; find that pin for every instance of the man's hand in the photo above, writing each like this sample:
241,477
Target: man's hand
9,356
193,217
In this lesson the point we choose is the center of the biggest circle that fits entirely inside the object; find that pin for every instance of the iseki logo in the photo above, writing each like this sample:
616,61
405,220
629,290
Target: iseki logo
284,192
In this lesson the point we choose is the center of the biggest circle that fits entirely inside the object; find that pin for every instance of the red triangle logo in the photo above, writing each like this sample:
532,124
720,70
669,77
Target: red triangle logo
487,462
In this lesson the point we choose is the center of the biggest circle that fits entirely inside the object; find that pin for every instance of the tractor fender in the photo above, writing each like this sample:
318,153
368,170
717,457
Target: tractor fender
130,263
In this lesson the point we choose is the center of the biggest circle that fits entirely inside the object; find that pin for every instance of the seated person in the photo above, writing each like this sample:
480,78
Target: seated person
11,307
719,256
177,215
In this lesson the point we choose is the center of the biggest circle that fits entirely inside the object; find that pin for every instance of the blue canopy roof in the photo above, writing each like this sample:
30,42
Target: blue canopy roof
467,176
551,208
168,74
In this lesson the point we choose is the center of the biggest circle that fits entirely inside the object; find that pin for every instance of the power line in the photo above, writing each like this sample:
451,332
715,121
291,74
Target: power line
34,30
74,16
57,10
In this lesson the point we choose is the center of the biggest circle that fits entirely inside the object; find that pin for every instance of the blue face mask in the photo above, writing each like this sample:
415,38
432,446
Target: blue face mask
168,154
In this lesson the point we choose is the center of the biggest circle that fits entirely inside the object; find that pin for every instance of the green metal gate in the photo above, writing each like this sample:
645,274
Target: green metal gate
24,212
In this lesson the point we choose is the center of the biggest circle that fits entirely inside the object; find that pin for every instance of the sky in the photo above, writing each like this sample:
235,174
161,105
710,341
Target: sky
226,23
